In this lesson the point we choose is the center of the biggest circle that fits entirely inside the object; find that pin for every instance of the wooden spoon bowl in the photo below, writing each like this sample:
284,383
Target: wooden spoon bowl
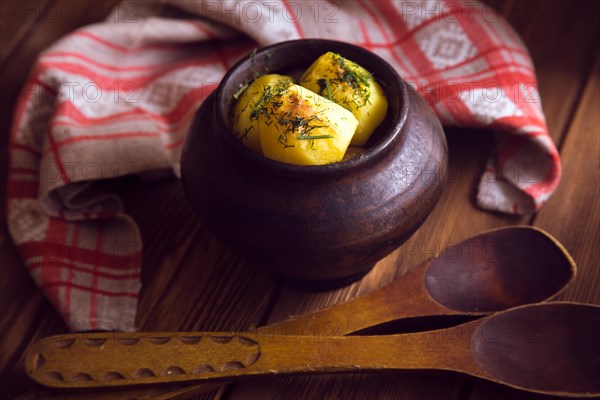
498,270
553,349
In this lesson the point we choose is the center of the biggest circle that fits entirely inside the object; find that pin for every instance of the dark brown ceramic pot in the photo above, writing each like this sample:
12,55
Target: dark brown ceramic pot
315,226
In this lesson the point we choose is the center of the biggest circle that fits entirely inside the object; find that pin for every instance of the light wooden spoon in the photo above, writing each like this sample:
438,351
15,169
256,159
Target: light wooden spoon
489,272
549,348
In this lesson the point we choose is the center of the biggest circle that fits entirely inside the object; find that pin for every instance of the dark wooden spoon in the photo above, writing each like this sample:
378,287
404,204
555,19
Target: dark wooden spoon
490,272
549,348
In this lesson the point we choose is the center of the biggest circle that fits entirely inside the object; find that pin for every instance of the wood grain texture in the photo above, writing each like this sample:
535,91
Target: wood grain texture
193,282
573,213
17,20
33,318
182,261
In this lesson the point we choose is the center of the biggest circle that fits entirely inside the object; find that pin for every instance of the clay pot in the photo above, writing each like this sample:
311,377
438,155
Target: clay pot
315,226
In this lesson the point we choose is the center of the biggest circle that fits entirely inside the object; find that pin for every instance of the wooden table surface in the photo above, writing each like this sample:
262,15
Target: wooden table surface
191,282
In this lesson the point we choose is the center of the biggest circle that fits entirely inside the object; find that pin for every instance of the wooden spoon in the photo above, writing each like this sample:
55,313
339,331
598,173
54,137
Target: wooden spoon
550,348
492,271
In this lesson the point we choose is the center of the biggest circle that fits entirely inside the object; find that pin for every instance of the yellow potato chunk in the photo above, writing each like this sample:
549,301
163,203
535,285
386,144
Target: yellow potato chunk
351,86
247,114
301,127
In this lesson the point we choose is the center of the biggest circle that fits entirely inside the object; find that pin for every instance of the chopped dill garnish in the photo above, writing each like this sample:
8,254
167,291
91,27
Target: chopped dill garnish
314,137
244,135
276,104
270,94
324,89
241,90
260,107
300,126
360,82
352,77
257,74
292,116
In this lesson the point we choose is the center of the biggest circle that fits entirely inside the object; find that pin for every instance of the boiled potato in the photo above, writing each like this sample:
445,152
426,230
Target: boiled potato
249,111
301,127
351,86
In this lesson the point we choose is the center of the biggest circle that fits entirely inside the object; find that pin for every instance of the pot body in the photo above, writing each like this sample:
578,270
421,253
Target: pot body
317,225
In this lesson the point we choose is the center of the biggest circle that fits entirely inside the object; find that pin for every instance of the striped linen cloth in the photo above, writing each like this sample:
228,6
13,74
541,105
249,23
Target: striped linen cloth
117,98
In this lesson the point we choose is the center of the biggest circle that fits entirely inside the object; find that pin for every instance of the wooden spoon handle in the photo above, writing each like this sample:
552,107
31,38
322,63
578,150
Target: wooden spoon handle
161,357
402,298
114,359
52,361
109,359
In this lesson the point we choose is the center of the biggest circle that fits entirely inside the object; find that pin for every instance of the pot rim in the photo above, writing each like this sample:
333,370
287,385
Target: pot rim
222,112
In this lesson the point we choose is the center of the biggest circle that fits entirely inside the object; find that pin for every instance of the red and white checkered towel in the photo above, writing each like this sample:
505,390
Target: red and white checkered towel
117,98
